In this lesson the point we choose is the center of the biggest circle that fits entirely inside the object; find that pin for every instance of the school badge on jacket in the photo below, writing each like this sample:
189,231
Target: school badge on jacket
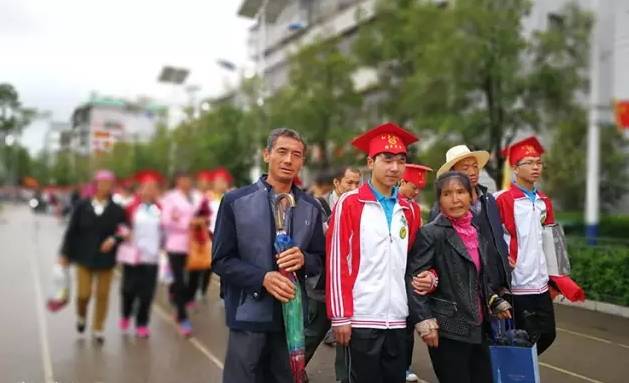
403,229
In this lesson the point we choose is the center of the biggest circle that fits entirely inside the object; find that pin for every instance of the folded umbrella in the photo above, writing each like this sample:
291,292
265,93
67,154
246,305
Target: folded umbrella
568,288
292,311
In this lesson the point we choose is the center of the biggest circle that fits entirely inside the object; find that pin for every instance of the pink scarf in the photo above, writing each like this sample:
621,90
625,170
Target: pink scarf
469,236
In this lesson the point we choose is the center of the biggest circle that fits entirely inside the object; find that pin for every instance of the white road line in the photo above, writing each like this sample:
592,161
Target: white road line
41,320
591,337
194,341
573,374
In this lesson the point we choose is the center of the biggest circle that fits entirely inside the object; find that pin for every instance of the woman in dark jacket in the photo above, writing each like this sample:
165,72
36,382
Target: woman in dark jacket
452,319
90,242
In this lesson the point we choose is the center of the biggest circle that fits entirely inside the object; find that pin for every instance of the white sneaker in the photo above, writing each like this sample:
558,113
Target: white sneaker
411,377
99,337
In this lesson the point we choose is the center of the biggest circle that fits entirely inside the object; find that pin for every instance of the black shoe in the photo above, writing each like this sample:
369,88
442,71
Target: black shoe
80,325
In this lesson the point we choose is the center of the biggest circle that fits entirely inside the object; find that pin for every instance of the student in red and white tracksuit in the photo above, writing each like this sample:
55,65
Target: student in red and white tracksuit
523,211
370,233
414,180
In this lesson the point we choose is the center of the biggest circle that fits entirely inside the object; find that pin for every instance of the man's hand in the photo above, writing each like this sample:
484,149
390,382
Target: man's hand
422,283
432,338
429,331
107,245
279,286
342,334
291,259
512,263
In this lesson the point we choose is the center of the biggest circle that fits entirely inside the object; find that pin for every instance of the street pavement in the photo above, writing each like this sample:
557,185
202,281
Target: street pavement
37,346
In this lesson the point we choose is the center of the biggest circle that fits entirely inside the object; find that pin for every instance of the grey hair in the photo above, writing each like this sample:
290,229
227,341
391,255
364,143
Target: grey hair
459,177
283,132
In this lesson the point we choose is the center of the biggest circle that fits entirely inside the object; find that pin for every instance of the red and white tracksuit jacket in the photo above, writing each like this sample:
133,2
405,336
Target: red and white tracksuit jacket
366,261
522,221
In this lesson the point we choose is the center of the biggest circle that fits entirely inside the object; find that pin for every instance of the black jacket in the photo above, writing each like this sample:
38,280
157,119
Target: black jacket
87,231
455,302
490,227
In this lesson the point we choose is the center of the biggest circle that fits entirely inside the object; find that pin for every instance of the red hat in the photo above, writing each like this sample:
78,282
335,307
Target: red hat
528,147
385,138
206,175
145,176
221,172
416,174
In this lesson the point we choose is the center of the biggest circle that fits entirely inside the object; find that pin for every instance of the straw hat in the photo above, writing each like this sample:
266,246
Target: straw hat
460,152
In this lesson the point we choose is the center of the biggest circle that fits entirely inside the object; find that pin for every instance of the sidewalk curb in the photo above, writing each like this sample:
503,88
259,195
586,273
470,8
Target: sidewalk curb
601,307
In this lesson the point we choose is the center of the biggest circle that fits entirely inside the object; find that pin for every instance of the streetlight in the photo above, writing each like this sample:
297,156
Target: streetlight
174,76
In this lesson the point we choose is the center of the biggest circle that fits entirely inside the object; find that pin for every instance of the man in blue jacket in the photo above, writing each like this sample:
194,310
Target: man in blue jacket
244,257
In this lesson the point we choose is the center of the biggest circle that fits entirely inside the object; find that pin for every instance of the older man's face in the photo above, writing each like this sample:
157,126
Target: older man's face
470,167
349,182
285,159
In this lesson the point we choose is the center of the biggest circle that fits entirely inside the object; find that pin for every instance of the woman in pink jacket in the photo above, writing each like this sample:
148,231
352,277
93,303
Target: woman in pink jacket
139,253
178,210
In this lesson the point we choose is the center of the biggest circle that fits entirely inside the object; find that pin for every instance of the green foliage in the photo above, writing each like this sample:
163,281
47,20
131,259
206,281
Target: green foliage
13,117
602,271
465,70
610,226
319,100
565,173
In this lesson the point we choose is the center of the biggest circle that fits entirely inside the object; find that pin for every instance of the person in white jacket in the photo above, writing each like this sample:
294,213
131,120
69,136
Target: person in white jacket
371,230
139,254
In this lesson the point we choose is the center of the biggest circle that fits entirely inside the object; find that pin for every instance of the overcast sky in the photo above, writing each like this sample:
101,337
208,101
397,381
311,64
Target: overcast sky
56,52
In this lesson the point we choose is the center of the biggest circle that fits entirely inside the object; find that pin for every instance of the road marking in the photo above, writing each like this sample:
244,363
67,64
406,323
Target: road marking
573,374
194,341
41,317
591,337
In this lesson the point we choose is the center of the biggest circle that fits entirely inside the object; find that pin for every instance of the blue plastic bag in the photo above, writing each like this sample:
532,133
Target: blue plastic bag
512,364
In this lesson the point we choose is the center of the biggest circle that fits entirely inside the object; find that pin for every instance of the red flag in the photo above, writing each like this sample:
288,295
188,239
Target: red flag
622,114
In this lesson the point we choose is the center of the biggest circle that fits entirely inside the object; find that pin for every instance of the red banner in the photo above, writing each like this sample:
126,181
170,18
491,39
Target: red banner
622,114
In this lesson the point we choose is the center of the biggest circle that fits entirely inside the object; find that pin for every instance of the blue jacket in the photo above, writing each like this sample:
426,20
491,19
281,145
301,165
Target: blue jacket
243,253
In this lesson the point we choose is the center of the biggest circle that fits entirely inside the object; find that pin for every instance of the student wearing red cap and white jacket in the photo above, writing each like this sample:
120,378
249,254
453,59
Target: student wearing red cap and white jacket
412,182
524,210
371,230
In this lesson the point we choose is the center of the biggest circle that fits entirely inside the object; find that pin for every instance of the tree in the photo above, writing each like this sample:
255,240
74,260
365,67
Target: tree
319,100
565,165
13,117
466,72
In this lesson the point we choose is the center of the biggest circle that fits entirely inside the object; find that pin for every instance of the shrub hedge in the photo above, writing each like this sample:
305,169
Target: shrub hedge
602,271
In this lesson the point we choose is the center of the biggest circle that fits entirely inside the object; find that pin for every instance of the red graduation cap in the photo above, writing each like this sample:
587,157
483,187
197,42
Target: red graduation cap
385,138
528,147
223,173
148,175
205,175
416,174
